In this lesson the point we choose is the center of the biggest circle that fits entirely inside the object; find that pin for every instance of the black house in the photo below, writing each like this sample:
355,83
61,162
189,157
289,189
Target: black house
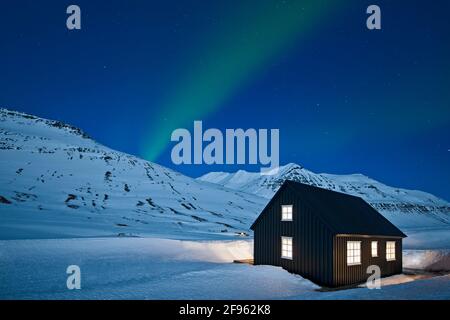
325,236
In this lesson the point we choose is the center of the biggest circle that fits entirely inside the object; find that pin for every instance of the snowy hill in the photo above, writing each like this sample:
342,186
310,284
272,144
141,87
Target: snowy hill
409,209
57,182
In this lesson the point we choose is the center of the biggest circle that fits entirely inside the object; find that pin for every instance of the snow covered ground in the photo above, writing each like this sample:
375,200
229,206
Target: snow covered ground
429,260
139,268
150,268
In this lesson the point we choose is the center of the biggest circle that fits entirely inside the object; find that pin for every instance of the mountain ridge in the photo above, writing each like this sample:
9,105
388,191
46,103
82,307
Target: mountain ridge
57,182
386,199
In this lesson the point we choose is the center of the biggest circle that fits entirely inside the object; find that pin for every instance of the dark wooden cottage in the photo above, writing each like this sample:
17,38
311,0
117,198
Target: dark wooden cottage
325,236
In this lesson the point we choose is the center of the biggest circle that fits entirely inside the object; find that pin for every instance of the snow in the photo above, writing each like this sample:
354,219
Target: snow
437,288
427,238
151,268
61,184
139,268
429,260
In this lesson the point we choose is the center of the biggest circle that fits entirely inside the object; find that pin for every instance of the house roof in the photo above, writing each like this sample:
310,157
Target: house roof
343,213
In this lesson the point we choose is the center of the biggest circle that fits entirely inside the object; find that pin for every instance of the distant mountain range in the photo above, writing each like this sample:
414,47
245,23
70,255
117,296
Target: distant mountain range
406,208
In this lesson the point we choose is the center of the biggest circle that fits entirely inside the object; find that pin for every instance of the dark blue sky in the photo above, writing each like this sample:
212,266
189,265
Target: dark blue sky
345,99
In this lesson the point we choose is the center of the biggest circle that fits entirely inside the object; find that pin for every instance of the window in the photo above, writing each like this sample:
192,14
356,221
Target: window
390,250
286,247
374,248
353,253
286,213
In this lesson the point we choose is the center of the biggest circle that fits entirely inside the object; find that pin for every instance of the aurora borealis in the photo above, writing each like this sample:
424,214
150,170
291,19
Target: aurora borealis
251,37
344,98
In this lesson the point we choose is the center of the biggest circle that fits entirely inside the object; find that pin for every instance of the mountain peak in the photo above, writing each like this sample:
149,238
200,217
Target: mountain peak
384,198
61,184
19,117
292,165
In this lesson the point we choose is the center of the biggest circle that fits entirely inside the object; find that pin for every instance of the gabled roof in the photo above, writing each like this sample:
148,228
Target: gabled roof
342,213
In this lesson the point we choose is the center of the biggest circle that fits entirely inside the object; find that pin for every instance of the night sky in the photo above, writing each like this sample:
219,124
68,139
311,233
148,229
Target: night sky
346,99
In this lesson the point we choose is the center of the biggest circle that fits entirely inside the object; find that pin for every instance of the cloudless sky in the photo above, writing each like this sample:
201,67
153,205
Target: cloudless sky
346,99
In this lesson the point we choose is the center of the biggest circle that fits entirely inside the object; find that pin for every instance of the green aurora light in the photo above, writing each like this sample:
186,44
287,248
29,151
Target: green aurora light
248,42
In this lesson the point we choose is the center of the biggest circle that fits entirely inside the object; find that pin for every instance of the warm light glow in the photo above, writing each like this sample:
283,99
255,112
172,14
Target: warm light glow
286,213
286,247
353,253
374,248
390,250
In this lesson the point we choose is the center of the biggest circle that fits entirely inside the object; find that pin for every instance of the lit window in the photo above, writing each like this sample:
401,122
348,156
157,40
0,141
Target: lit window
286,213
390,250
353,253
374,248
286,247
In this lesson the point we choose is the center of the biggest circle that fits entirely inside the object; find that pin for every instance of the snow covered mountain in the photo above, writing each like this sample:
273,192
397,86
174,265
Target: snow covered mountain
406,208
56,182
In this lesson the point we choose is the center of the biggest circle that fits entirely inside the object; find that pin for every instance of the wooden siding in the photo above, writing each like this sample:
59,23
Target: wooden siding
312,239
345,275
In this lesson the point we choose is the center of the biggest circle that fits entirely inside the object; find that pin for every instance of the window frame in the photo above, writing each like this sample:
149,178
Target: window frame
390,251
291,239
347,249
372,248
291,213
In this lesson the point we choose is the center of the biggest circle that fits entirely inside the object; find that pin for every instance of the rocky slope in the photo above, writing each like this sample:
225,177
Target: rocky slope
57,182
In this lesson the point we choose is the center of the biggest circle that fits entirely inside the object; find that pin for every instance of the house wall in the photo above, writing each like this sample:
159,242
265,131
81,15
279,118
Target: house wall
345,275
312,240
